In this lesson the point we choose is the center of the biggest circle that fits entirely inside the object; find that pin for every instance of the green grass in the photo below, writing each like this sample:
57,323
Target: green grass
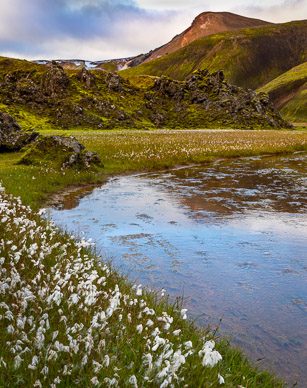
289,92
296,109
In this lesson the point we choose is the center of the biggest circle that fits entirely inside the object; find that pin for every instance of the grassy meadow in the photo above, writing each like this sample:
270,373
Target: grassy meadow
67,318
130,151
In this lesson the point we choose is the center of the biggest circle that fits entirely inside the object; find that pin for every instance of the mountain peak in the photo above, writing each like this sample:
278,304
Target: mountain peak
205,24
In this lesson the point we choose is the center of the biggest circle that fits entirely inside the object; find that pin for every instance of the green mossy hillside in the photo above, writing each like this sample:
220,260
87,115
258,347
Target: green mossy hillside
43,97
249,57
288,93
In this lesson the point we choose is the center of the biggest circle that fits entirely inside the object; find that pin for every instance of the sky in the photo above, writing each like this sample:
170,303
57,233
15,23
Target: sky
110,29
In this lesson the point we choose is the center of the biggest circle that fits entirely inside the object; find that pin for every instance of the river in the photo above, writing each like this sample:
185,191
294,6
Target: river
231,237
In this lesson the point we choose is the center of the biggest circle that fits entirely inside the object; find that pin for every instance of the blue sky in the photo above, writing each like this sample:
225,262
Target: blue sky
105,29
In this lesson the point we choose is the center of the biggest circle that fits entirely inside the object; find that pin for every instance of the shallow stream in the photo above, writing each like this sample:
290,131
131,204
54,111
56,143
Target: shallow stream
231,236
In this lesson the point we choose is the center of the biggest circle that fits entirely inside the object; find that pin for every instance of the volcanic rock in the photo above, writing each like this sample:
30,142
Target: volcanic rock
56,81
11,136
87,78
63,151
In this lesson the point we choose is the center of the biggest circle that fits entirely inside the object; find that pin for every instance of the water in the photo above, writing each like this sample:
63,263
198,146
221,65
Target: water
230,236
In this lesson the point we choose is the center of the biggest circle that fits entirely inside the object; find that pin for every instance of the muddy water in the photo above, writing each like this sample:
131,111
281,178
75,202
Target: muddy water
231,237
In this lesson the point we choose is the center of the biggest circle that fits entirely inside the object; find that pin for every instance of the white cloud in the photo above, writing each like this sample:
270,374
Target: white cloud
107,29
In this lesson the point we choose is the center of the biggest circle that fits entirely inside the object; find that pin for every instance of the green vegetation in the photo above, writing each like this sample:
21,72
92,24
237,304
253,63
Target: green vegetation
249,57
127,151
288,92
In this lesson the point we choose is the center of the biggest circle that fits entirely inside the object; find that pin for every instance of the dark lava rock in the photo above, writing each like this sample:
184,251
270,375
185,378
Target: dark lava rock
61,151
56,81
87,78
114,82
11,136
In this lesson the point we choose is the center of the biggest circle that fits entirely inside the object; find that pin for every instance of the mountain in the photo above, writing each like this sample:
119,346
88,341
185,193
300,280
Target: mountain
249,57
288,93
44,97
205,24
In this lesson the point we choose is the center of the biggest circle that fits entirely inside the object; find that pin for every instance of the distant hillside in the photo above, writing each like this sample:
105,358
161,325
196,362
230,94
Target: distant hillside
50,97
288,93
249,57
205,24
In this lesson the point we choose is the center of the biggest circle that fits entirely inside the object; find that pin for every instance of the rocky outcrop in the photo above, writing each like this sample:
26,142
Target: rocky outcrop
61,152
87,78
114,82
229,103
103,100
11,136
56,81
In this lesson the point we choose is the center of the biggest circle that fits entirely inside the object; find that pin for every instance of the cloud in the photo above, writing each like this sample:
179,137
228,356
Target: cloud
106,29
99,29
276,12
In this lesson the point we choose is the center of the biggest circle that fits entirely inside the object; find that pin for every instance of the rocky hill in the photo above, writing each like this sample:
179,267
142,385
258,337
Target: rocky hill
51,97
205,24
288,93
249,57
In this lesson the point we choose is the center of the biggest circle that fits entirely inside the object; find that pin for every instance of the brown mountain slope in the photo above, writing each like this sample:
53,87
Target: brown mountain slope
205,24
249,57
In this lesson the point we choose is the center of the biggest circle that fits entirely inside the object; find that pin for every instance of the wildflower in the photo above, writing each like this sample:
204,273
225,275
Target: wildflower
17,361
149,323
45,370
106,360
221,379
177,332
139,290
139,328
210,357
132,380
183,313
95,381
97,366
10,329
41,211
2,362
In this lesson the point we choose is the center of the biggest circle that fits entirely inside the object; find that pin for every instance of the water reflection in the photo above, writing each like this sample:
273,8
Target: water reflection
230,236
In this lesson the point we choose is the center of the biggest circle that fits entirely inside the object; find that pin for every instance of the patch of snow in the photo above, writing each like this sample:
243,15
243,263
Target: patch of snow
123,67
77,63
41,62
90,65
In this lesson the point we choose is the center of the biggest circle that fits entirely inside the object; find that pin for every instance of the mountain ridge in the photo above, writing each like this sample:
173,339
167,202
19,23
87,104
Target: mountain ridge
206,24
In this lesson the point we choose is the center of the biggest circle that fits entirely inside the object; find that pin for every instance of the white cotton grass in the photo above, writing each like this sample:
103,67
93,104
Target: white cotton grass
63,312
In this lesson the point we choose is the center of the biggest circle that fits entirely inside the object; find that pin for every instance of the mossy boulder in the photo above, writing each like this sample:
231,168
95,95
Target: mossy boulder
60,152
12,138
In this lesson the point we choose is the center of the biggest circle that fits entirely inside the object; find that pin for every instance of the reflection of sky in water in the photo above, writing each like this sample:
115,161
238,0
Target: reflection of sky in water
230,236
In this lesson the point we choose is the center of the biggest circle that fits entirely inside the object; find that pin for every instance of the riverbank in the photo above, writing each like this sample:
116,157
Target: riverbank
68,319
